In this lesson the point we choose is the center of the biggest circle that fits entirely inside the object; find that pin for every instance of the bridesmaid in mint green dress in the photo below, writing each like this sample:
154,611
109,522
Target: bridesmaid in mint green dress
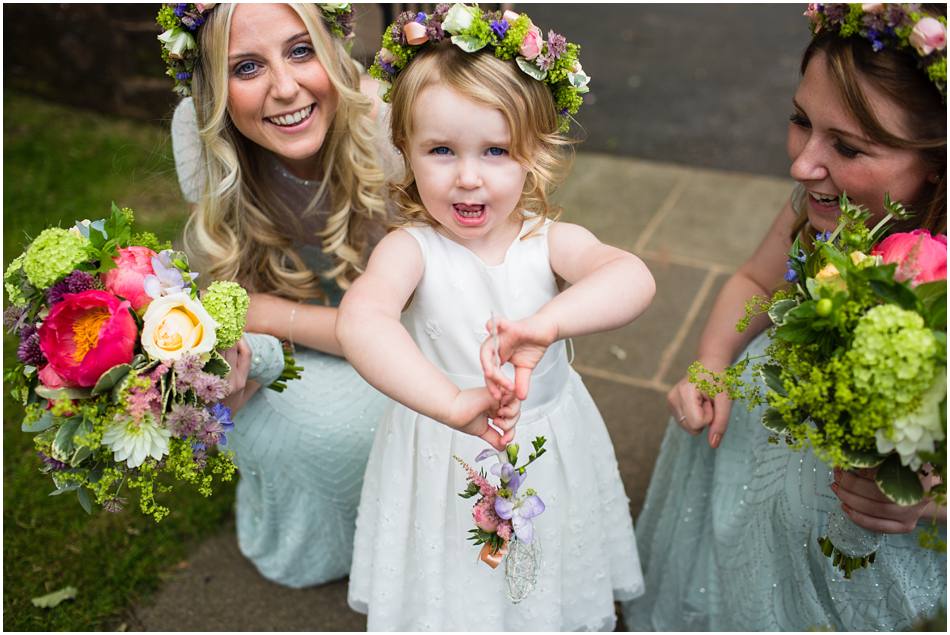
286,194
728,533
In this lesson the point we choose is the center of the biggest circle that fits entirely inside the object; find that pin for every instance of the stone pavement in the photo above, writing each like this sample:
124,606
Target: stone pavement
691,226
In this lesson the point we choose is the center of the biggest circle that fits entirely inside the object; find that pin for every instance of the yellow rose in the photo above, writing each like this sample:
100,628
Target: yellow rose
829,275
175,325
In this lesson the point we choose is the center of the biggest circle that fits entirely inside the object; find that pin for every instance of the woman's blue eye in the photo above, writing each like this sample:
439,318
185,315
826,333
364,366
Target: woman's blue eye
495,151
301,50
245,68
442,150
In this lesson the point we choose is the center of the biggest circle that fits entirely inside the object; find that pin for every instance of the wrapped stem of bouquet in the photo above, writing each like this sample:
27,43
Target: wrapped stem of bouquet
503,519
119,364
857,364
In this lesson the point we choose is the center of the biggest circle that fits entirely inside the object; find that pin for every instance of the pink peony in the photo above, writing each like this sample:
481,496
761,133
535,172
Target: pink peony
531,44
928,35
127,280
505,530
50,378
484,514
87,334
920,257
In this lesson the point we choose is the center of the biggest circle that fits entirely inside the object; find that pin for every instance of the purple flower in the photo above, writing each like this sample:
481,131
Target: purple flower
520,512
168,278
441,9
434,30
223,415
544,62
500,27
53,464
29,351
184,420
421,17
823,237
13,318
557,44
389,68
180,9
114,505
182,76
790,274
510,477
76,282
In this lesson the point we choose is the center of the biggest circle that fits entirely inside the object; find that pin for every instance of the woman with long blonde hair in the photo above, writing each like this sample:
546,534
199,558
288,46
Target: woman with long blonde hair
277,151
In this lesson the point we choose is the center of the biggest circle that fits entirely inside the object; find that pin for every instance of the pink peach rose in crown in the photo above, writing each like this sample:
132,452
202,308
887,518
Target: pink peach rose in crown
127,280
872,7
531,45
929,35
920,257
86,334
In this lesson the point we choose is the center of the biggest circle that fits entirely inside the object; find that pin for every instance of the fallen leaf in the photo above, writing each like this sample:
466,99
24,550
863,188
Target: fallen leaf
51,600
618,352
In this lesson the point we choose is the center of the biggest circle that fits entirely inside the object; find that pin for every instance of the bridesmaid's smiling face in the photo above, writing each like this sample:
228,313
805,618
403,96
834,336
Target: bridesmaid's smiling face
831,154
279,94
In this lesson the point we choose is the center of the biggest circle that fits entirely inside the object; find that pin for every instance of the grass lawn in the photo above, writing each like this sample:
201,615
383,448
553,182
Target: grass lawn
63,165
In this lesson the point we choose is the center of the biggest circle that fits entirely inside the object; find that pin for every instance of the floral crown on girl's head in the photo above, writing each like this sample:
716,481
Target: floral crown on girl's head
508,35
181,22
898,26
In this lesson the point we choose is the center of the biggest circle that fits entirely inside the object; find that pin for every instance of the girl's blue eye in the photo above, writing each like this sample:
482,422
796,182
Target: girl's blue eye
245,69
441,150
495,151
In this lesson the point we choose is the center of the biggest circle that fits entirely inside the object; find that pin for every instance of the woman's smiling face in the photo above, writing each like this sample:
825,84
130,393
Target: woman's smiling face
279,94
831,154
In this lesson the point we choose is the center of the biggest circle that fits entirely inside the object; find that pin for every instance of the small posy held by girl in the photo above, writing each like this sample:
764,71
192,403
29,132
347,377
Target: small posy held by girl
276,149
729,530
478,104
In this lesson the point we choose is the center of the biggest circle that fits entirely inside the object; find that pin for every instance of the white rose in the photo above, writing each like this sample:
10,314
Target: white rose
458,18
177,41
917,431
175,325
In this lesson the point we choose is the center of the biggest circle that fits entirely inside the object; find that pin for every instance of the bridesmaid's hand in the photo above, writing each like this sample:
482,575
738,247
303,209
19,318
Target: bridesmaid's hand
694,411
865,504
241,389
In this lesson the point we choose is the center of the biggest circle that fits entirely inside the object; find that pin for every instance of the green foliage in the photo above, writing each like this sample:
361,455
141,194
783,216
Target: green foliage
227,303
65,164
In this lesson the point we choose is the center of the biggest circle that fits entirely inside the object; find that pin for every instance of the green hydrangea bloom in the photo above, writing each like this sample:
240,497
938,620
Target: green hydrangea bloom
55,253
150,240
511,45
166,17
11,279
227,303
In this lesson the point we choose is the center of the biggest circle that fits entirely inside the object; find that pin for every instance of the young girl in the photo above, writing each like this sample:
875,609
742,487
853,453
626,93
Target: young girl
866,119
481,143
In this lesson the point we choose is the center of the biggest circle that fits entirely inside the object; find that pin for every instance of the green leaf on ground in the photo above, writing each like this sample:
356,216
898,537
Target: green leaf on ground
54,599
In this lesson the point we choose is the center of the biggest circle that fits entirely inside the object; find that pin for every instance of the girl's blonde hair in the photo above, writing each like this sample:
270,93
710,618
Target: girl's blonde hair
236,229
526,104
896,74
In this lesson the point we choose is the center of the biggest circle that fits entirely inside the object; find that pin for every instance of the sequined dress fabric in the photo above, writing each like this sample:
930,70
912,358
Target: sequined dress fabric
300,453
728,539
413,569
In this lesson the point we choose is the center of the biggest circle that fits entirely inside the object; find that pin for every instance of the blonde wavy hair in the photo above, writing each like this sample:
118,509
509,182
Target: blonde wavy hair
526,104
235,228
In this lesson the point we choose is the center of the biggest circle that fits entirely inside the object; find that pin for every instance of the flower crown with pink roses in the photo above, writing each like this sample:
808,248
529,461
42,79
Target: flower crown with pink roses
898,26
508,35
181,22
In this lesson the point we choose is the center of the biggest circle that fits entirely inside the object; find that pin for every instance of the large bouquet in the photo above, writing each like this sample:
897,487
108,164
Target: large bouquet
503,517
857,366
119,366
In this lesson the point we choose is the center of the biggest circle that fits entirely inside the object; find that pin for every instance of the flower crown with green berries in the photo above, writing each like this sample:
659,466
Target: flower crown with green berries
898,26
509,35
181,22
